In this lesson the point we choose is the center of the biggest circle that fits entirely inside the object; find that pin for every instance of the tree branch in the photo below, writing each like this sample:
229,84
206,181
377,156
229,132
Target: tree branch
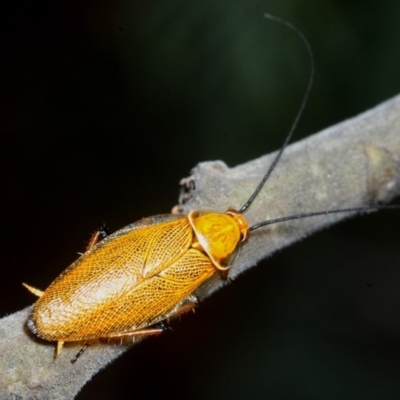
354,163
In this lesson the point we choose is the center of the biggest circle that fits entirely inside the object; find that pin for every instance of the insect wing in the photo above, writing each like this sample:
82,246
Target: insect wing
132,279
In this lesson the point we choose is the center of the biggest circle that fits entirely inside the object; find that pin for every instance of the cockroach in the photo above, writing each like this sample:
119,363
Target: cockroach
132,282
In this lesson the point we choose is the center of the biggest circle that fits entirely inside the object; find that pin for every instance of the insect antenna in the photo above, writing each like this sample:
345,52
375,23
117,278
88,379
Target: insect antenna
298,115
325,212
286,141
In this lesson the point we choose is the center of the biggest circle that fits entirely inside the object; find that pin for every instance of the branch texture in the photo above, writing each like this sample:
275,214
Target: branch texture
352,164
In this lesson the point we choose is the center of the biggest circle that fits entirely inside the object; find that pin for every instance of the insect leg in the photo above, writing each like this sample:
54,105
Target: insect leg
155,330
186,305
80,352
225,275
97,236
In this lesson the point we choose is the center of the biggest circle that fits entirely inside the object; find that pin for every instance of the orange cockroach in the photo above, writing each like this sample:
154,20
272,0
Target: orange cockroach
135,280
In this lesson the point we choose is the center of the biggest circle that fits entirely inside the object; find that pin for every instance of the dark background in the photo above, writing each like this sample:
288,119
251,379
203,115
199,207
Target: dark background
108,104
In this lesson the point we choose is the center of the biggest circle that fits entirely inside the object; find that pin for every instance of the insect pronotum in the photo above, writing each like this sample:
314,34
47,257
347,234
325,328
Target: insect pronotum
132,282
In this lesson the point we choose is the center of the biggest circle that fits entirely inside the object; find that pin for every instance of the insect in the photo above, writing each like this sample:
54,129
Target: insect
135,280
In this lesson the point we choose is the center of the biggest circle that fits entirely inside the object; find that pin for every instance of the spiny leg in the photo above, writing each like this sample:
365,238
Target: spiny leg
184,306
155,330
97,236
80,352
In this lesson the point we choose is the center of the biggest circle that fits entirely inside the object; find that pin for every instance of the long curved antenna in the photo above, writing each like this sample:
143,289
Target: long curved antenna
313,214
298,115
